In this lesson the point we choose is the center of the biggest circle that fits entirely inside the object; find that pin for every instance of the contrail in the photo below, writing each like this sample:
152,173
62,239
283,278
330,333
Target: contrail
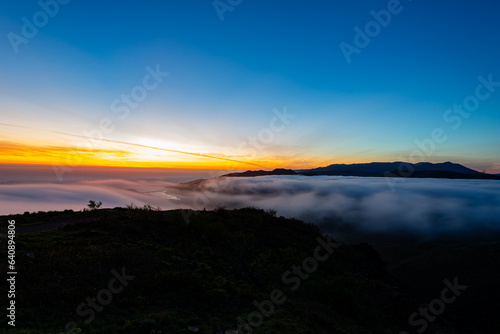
16,126
151,147
164,149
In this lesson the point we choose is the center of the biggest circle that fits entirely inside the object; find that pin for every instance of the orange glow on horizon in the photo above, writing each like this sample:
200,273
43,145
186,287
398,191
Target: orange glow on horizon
32,146
11,153
73,150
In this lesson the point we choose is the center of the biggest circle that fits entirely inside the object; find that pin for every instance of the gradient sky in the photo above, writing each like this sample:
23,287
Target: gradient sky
228,79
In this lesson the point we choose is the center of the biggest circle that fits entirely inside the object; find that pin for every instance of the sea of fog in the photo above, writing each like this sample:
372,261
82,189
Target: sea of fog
350,208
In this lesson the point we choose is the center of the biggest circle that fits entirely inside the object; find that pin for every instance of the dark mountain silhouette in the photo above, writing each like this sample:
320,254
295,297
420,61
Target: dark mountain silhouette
441,175
380,168
252,173
447,170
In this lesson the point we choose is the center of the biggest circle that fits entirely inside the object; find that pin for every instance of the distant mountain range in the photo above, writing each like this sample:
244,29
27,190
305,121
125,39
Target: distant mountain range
251,173
383,169
379,168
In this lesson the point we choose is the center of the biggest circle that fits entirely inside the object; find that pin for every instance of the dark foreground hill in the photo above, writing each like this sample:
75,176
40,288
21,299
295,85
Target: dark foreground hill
140,270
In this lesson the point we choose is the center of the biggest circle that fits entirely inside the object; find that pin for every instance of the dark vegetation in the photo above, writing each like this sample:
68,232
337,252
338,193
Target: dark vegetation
442,175
380,168
251,173
199,276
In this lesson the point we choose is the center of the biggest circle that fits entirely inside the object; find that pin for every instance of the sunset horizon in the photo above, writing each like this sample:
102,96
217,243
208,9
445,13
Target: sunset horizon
167,97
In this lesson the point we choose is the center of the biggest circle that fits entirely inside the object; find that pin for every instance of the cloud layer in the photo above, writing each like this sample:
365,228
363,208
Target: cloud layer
351,208
356,208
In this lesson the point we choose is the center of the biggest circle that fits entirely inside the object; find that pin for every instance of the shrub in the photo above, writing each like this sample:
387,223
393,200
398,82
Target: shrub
93,205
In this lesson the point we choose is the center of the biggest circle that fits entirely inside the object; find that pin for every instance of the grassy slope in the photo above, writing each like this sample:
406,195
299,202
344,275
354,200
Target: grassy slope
203,274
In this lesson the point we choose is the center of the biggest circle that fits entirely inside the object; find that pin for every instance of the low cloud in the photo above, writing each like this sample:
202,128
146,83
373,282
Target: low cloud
350,208
357,208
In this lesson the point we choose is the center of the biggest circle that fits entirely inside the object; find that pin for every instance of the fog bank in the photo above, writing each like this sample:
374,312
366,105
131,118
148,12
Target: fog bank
348,207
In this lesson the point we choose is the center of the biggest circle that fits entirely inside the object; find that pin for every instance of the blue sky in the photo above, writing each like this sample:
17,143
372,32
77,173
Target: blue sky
226,77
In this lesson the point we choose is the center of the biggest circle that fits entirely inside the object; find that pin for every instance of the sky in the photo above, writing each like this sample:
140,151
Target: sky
230,84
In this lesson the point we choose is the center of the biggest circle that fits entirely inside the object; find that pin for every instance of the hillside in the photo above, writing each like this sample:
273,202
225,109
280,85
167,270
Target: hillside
202,276
447,170
380,168
443,175
253,173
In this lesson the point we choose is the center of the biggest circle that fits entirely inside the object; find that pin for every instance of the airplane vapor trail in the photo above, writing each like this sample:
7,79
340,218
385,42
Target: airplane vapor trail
166,150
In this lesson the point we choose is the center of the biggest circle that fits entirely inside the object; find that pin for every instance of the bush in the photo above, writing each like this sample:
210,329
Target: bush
93,205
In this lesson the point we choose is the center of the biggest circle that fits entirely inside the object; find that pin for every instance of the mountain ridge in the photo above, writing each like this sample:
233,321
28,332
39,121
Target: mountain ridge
251,173
381,169
385,167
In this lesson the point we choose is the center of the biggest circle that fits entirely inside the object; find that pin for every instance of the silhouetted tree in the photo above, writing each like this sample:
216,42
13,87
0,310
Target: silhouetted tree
93,205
